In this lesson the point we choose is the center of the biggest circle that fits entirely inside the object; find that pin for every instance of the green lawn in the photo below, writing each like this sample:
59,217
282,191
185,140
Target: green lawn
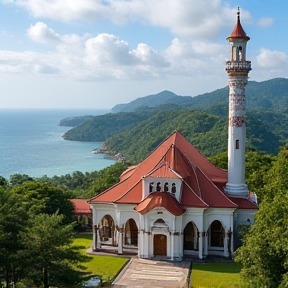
105,267
215,275
206,275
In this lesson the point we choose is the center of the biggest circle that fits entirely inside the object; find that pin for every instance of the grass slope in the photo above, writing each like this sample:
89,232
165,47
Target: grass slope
215,275
106,267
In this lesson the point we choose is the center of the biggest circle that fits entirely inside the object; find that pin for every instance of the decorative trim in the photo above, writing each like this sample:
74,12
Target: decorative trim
236,121
237,100
237,104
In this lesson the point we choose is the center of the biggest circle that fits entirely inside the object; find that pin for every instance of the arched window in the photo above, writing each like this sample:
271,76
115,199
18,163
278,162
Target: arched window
158,188
190,237
166,188
151,187
217,234
240,54
159,220
131,232
173,189
107,226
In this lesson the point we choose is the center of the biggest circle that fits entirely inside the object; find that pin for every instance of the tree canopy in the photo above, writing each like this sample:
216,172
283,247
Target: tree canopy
50,257
264,255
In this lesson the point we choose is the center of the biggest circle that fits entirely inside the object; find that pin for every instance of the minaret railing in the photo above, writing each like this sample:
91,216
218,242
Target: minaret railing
235,66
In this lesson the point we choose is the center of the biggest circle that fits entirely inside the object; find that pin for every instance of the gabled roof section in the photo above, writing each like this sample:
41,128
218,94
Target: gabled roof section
81,206
127,172
211,194
163,171
238,31
243,203
174,158
163,200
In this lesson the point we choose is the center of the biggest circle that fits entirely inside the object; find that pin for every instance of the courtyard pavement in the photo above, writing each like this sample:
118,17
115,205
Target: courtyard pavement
144,273
140,273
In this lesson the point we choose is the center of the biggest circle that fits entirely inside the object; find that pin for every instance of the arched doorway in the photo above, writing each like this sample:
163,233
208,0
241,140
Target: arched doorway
131,233
190,239
107,229
160,245
217,233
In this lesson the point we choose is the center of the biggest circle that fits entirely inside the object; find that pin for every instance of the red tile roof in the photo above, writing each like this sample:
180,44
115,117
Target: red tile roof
175,158
160,199
81,206
243,203
127,172
164,171
238,31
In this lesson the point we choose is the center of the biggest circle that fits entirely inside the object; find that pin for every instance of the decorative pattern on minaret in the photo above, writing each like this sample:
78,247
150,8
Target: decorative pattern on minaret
237,100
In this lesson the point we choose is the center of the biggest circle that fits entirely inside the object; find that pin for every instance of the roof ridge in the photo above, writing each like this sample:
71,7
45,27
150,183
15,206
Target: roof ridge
216,186
221,169
105,191
127,191
195,193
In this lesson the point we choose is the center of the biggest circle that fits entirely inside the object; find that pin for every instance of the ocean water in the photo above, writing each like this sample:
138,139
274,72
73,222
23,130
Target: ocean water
31,143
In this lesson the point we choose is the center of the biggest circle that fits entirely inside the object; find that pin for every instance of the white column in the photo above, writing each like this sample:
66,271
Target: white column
226,240
95,228
205,244
172,239
232,243
200,245
120,240
195,237
231,234
98,239
113,234
140,244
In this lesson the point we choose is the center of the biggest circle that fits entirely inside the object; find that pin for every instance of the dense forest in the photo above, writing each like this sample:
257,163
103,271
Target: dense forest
137,133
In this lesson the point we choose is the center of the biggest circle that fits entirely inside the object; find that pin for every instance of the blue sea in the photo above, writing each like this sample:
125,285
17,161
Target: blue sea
31,143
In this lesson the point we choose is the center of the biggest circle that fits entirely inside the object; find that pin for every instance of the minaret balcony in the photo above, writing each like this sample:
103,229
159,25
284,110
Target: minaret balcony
238,66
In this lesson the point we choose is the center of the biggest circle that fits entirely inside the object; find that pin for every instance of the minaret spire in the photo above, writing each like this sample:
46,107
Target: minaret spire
237,68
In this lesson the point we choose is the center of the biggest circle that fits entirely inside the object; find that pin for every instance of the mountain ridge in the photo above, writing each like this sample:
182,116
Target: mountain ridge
276,87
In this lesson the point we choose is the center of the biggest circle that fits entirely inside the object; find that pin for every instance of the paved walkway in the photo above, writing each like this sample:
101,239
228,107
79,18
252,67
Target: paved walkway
142,273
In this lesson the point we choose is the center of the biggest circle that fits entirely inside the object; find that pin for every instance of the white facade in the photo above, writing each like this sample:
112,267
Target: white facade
177,240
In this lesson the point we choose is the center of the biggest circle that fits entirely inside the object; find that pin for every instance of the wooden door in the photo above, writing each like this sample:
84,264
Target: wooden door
160,245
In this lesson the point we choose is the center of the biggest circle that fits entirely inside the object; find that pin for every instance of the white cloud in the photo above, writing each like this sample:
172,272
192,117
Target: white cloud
65,10
107,50
148,56
194,18
274,60
107,57
42,34
265,22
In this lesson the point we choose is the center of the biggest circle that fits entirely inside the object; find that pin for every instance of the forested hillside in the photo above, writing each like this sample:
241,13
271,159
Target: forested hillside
147,101
271,94
100,128
136,134
207,132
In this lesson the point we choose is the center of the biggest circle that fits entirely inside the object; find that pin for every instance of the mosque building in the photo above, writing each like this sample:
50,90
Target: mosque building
176,202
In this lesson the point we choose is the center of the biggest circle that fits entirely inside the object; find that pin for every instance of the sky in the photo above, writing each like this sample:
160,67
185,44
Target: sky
99,53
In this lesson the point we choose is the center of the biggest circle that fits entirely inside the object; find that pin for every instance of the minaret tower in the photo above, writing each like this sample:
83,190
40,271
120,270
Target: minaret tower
237,68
